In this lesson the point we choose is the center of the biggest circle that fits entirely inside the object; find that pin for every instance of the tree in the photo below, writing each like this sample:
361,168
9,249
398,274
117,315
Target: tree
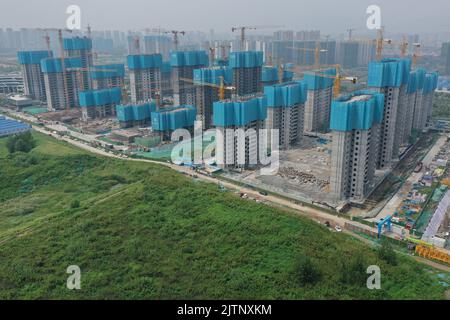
387,253
23,142
306,272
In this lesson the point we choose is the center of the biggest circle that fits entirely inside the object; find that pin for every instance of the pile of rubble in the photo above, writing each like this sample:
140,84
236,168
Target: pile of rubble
301,177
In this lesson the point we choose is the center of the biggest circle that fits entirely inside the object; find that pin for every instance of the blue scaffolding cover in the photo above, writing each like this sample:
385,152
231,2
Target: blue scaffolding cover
239,113
165,67
188,58
357,112
174,118
135,112
246,59
95,98
286,94
51,65
389,73
430,84
212,75
107,71
32,57
270,74
144,61
77,43
320,79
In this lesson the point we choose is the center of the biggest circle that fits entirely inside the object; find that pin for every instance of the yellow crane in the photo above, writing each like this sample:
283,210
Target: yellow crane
317,51
221,87
338,78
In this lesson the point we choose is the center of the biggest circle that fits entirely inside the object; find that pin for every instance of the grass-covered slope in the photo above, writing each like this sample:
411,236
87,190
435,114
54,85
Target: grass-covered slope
141,231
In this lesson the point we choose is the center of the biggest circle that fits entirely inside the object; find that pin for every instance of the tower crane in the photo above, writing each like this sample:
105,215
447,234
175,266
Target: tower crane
416,54
242,31
317,51
63,65
175,34
338,78
350,33
212,55
223,51
221,87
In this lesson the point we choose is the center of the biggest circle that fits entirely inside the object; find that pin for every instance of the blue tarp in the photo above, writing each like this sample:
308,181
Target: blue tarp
416,80
99,73
77,43
286,94
94,98
316,81
165,67
144,61
212,75
270,74
188,58
246,59
32,57
239,113
135,112
430,84
9,127
54,64
174,118
389,73
348,114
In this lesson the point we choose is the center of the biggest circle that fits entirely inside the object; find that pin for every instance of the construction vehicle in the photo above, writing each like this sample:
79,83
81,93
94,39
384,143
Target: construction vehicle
221,87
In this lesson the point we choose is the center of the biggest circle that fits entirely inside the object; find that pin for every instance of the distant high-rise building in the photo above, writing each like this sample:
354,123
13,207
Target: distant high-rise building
283,35
389,77
305,35
207,94
237,123
355,125
445,55
158,44
348,54
33,77
62,93
247,71
183,64
145,76
285,111
318,105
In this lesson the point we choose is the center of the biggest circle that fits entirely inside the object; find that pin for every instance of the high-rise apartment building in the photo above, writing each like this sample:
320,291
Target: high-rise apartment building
355,125
33,77
145,76
247,71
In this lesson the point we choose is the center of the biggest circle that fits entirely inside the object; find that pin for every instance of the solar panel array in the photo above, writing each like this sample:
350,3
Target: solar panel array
9,127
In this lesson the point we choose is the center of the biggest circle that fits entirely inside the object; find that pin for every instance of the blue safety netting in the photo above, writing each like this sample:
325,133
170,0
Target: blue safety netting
239,113
51,65
430,83
320,79
144,61
32,57
389,73
135,112
286,94
77,43
212,75
165,67
348,113
94,98
174,118
246,59
270,74
188,58
107,71
157,38
416,80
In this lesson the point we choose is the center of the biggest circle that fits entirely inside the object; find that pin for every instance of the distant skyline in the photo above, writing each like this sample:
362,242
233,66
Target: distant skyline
329,16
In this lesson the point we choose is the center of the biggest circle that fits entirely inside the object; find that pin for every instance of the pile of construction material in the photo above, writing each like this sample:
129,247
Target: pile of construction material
301,177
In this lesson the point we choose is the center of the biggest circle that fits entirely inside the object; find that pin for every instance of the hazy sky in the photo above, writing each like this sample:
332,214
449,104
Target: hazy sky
330,16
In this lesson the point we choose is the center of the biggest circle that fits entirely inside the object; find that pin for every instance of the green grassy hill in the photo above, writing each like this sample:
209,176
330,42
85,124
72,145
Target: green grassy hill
141,231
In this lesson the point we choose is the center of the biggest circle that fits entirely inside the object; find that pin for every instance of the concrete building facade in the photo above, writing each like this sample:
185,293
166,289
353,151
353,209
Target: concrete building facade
285,111
107,76
33,77
247,71
145,76
355,126
318,103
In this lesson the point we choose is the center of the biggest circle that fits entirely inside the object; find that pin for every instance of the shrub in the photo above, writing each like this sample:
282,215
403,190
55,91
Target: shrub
75,204
306,271
387,253
23,142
